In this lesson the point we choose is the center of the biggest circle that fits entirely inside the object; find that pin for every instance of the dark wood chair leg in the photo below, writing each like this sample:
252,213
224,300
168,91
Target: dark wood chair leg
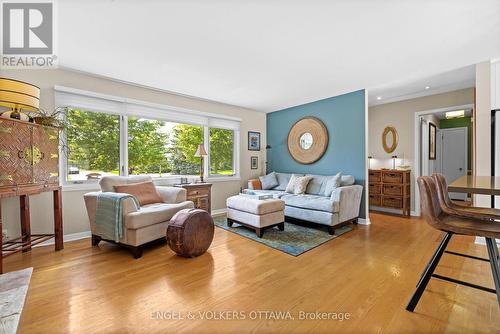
229,222
495,264
95,240
427,274
259,232
281,226
331,230
136,251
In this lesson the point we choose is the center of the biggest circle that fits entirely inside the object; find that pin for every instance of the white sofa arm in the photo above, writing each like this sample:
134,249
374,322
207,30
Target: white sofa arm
349,199
91,204
172,194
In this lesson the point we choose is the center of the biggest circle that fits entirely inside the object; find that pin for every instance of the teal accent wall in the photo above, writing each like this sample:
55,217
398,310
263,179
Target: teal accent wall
463,122
344,117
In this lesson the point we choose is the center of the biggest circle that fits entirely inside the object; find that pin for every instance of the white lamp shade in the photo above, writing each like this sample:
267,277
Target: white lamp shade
200,151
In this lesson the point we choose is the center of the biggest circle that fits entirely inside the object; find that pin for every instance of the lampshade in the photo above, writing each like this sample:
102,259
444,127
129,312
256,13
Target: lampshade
200,151
16,94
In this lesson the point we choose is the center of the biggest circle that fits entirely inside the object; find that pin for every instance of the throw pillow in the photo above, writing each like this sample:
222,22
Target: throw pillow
145,192
333,183
269,181
297,184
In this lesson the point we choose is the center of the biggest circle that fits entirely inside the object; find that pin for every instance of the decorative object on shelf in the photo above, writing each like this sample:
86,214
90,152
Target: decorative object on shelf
369,161
201,153
200,194
19,97
253,141
394,157
268,147
390,139
190,232
307,140
389,188
254,163
432,141
184,180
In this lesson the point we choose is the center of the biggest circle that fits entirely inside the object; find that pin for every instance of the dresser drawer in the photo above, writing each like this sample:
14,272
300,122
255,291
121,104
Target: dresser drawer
374,176
375,189
197,192
392,202
392,177
375,200
392,189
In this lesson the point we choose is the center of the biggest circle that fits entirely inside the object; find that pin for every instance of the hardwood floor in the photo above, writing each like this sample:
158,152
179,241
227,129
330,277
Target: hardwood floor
370,273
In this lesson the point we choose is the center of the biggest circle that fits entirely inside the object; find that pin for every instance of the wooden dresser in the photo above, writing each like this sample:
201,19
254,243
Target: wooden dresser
200,194
390,188
29,165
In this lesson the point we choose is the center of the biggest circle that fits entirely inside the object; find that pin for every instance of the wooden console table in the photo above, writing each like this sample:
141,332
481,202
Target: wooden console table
27,240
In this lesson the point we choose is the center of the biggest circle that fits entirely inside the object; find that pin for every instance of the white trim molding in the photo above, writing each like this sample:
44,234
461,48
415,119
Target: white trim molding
364,221
67,238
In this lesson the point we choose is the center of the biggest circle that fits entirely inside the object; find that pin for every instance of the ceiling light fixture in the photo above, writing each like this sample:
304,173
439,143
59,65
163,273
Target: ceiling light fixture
427,87
455,114
379,97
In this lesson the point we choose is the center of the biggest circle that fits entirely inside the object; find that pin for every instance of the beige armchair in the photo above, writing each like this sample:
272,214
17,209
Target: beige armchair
139,226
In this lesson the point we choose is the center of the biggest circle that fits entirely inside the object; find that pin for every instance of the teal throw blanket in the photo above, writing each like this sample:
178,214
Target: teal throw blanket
109,214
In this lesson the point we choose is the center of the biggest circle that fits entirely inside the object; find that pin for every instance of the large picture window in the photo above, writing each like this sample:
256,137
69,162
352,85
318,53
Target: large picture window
113,137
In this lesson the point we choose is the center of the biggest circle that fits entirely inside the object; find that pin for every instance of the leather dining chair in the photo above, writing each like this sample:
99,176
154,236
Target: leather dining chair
436,217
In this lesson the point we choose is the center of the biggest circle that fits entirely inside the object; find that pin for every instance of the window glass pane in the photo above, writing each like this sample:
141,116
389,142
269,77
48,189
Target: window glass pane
93,145
221,152
183,142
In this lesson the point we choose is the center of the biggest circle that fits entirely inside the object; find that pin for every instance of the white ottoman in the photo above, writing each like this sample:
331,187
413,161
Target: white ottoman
256,214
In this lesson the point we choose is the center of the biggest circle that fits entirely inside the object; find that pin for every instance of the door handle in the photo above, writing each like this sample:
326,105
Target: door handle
460,169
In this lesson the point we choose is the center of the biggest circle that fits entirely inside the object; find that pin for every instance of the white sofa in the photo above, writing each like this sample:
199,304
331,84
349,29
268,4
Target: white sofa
339,209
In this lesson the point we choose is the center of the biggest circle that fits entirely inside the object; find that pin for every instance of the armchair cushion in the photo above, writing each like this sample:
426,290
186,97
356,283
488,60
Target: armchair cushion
154,213
145,192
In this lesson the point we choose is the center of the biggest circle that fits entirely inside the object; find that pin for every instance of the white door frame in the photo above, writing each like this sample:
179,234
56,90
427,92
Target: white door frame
417,163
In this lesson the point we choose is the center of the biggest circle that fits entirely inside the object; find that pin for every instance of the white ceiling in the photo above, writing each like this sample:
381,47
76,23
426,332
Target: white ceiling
272,54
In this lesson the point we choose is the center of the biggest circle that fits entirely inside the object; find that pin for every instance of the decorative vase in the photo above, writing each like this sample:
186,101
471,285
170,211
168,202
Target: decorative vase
14,114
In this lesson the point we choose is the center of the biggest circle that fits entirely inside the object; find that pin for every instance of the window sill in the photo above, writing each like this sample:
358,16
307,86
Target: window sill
81,187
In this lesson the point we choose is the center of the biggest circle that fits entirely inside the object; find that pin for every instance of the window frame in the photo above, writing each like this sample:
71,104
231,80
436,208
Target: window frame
94,102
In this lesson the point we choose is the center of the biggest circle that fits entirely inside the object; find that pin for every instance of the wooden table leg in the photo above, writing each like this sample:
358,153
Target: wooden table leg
58,222
25,220
1,240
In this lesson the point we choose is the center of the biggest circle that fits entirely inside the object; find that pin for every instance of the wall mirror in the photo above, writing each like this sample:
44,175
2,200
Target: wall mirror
390,139
307,140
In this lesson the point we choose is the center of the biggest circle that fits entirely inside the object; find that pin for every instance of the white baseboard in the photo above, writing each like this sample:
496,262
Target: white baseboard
219,212
364,221
67,238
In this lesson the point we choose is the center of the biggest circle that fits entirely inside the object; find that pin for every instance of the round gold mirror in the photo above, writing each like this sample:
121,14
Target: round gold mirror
307,140
390,139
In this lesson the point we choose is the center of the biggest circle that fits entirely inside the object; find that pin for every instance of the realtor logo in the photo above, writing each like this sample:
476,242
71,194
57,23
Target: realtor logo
28,34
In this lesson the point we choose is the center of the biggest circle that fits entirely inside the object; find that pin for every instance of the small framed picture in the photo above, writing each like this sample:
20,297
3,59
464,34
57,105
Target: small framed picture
254,162
253,141
432,141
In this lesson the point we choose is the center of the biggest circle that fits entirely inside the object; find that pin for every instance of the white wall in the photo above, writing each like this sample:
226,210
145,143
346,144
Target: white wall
402,116
74,214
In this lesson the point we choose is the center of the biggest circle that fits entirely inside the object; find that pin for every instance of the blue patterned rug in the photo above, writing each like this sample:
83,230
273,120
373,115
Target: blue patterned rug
294,240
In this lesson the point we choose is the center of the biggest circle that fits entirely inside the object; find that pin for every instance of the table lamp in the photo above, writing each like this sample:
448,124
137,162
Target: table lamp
17,95
201,153
369,161
394,157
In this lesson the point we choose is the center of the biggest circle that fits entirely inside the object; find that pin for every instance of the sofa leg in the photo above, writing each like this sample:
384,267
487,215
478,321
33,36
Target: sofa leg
331,230
95,240
281,226
355,221
229,222
259,232
136,251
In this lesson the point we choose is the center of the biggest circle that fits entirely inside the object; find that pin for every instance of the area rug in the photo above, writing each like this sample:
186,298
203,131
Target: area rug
294,240
13,289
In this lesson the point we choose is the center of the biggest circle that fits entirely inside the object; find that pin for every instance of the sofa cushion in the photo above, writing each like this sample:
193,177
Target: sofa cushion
298,184
312,202
347,180
275,193
145,192
254,206
332,183
283,179
108,183
154,213
268,181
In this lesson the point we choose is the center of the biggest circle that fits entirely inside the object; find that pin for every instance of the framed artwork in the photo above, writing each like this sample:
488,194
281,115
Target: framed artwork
253,141
432,141
254,163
